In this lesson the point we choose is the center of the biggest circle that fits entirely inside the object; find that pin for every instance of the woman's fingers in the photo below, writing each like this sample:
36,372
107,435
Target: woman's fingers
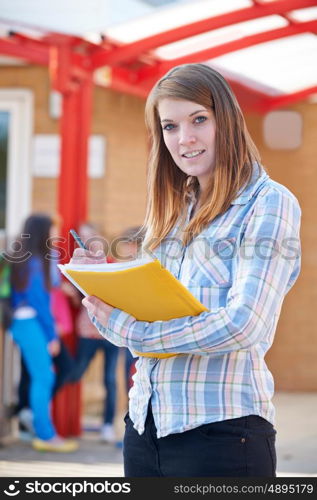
86,302
96,247
80,252
98,308
82,256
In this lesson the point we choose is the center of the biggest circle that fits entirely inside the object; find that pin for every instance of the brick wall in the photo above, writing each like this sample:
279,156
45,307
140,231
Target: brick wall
292,358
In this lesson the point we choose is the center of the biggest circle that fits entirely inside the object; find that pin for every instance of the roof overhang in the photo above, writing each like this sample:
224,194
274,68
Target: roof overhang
266,49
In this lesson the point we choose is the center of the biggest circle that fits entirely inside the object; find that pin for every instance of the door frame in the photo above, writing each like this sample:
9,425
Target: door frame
19,103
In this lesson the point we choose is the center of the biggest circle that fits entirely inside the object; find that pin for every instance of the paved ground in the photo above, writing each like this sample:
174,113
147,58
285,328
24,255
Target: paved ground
296,447
296,425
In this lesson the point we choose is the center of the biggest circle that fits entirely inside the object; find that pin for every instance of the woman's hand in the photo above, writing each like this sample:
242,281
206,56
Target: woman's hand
95,254
98,308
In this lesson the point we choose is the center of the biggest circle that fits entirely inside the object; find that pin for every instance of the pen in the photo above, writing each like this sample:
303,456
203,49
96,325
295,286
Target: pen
78,239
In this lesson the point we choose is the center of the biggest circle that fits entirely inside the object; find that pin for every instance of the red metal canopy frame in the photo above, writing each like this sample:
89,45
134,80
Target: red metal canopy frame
133,69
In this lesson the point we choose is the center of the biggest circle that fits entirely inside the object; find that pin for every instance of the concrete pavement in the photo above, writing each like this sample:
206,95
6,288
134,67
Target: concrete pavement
296,424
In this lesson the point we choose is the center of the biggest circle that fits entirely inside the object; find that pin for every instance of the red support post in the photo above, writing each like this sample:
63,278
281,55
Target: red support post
75,127
72,205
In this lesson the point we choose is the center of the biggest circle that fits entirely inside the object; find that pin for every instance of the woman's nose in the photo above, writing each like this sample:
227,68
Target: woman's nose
186,136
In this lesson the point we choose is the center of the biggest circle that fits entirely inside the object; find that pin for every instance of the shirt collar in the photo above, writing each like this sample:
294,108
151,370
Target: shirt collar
259,176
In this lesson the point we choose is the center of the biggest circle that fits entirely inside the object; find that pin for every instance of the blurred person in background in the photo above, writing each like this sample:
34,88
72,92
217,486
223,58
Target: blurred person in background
89,342
33,327
63,360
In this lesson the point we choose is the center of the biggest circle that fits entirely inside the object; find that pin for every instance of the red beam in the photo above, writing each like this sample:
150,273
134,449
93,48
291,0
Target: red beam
121,80
203,55
40,52
62,39
122,86
279,101
250,99
131,51
31,52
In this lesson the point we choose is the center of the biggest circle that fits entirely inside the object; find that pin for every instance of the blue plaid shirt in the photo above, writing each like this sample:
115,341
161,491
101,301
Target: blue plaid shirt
240,267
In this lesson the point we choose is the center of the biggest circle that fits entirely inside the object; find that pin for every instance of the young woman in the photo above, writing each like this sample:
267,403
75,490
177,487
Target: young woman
33,328
230,234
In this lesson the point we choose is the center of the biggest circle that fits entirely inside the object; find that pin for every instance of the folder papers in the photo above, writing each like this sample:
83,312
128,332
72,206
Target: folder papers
142,288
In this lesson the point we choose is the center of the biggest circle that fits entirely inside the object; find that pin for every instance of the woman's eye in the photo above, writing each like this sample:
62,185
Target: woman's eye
200,119
169,126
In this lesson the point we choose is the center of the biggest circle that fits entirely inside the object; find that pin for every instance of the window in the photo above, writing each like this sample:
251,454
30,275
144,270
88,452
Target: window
16,124
283,130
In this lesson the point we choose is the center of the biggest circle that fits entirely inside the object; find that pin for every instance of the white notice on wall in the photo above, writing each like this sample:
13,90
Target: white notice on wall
46,155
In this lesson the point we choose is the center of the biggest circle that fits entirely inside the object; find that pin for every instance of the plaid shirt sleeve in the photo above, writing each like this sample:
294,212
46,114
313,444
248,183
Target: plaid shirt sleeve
268,265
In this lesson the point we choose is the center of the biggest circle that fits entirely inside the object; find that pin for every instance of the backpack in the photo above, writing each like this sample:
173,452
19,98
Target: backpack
6,311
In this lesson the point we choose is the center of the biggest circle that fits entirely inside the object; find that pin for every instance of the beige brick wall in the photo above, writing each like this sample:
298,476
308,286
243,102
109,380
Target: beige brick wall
118,201
292,358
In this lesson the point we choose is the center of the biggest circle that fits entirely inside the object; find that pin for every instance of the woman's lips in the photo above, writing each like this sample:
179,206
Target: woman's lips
193,154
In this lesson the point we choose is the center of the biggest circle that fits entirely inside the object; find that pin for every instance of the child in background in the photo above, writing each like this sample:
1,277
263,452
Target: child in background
63,360
33,328
89,342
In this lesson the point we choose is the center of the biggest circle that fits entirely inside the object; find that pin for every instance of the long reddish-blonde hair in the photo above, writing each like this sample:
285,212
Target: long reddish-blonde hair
169,188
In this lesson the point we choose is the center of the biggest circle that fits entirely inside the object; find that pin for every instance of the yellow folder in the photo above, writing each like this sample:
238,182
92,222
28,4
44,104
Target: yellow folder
148,291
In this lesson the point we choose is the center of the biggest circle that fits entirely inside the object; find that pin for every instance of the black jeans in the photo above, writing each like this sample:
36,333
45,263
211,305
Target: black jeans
239,447
86,350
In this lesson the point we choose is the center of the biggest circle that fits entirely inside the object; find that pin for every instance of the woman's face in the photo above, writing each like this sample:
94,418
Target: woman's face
189,131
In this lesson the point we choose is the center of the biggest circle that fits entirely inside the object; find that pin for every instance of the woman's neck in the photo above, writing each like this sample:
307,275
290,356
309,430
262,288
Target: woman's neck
196,206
